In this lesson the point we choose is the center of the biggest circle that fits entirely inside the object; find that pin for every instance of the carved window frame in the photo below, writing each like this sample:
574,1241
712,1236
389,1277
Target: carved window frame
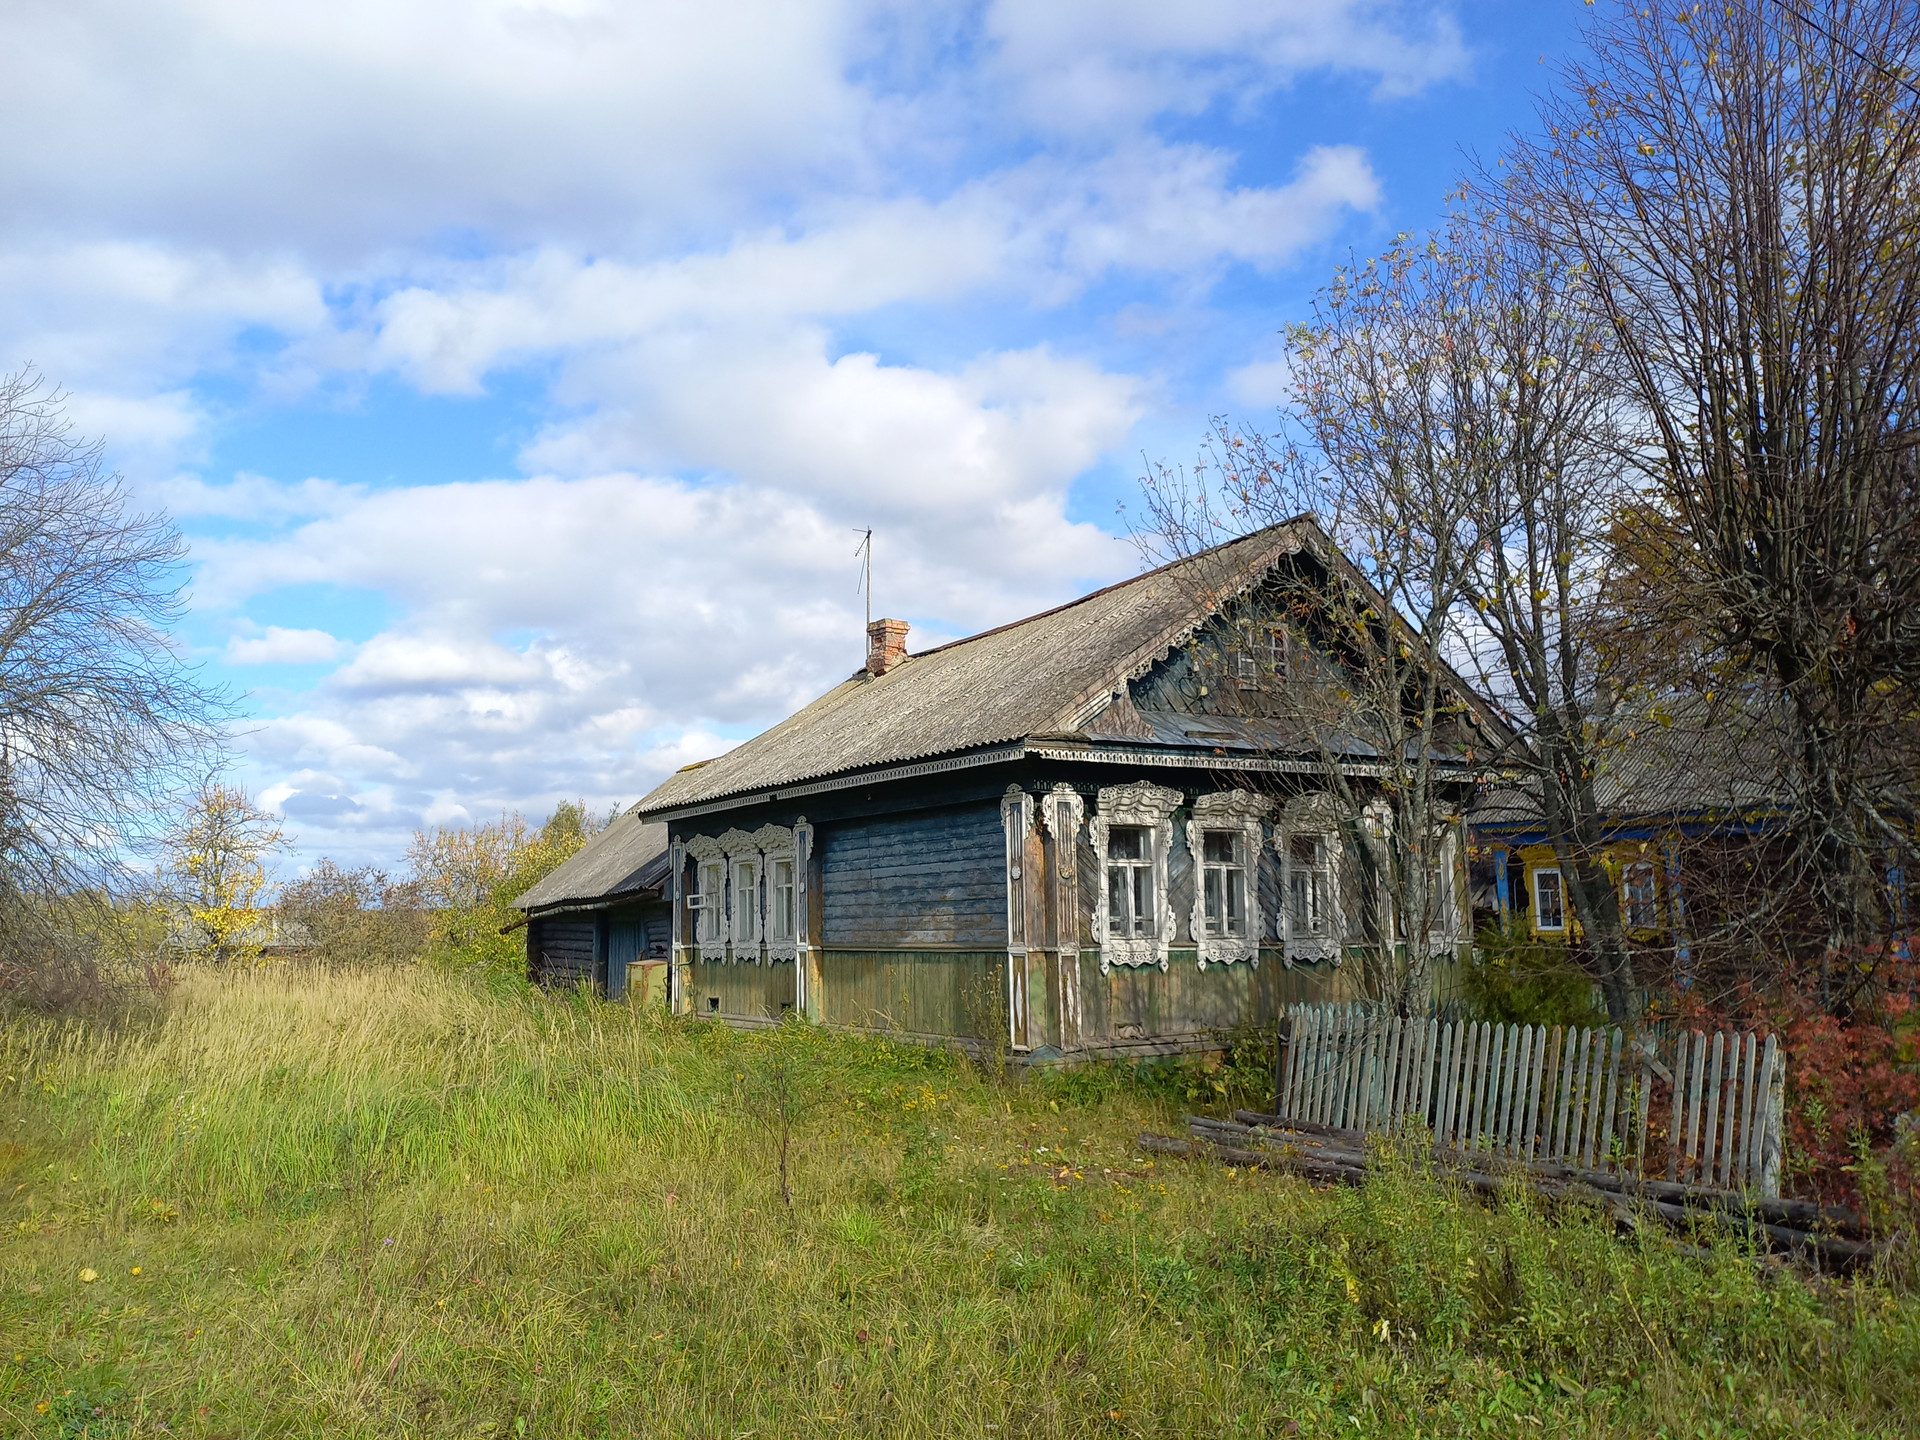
1240,813
778,844
1445,937
706,850
1149,807
1311,817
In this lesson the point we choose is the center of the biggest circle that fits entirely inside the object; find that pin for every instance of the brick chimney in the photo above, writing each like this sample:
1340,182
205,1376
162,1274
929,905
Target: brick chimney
886,645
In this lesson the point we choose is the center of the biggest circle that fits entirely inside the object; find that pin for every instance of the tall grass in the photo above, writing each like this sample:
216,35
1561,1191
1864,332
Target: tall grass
403,1203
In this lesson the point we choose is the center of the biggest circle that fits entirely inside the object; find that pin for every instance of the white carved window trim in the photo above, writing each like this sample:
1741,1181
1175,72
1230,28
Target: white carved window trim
1444,904
1063,811
777,847
709,901
1236,812
1560,900
1310,818
1151,808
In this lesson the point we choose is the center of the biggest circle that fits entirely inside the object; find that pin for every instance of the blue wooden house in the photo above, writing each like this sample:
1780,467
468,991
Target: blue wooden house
1082,833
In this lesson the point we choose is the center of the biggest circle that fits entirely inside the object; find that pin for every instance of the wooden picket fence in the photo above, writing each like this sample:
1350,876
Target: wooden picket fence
1709,1107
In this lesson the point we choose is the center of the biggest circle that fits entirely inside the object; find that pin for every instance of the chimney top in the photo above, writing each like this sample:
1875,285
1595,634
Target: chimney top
886,645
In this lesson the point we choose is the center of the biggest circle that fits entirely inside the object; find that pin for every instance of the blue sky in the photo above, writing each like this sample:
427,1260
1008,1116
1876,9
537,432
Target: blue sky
520,372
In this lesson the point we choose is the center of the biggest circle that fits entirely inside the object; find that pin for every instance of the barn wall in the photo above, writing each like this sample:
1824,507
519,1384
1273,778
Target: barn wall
937,878
561,950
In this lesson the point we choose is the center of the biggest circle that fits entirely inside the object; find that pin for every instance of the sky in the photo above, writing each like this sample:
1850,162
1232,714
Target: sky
522,375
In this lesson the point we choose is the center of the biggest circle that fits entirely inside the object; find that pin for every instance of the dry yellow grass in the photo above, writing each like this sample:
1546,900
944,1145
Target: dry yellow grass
401,1203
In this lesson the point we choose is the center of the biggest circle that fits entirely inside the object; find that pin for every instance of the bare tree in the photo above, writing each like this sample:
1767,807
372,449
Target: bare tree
1739,180
1373,444
101,721
1534,418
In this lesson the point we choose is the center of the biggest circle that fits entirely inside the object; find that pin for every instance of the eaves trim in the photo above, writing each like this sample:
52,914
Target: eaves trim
1003,754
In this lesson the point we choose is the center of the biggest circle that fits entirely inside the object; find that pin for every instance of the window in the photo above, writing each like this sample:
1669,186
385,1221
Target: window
781,921
711,898
1309,903
1549,901
1638,907
1224,882
1129,881
746,903
1261,658
1131,831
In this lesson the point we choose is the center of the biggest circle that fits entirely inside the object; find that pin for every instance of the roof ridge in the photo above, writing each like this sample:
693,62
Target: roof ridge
1109,589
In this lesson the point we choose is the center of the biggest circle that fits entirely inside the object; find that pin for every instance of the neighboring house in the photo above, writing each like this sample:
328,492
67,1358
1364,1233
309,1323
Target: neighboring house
1070,835
604,917
1679,772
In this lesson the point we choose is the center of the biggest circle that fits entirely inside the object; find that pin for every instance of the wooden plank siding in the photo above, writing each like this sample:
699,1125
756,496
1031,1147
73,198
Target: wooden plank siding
959,994
744,993
914,881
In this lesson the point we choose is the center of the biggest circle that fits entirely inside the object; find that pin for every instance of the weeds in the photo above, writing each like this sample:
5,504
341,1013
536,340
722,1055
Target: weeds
411,1203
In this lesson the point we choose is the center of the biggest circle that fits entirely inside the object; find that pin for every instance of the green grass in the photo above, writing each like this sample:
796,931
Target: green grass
400,1204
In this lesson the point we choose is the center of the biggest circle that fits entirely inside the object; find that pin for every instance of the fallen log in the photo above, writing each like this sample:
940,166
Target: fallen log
1805,1215
1330,1152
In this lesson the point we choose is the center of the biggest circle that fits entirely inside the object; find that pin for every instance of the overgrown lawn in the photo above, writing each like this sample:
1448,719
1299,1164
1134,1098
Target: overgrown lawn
402,1203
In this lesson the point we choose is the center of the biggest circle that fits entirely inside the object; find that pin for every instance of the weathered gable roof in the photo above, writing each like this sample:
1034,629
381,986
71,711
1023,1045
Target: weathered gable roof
1043,675
627,858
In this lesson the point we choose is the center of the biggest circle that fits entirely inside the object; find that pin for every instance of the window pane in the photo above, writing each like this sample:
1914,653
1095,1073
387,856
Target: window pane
1222,847
1236,901
1142,900
783,900
1128,842
1119,915
1638,896
1214,907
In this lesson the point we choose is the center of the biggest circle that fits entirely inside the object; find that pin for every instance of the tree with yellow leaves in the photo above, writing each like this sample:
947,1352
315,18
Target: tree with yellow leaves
215,871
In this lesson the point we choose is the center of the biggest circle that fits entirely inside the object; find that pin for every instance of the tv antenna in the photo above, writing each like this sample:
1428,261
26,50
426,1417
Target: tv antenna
864,554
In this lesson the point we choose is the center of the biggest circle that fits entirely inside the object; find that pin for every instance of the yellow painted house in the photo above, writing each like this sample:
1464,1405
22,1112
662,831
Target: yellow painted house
1679,769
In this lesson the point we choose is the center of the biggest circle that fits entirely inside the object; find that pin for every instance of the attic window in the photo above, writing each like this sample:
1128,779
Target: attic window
1261,658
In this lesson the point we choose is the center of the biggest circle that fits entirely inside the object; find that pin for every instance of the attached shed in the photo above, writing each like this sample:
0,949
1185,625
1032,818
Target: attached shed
604,917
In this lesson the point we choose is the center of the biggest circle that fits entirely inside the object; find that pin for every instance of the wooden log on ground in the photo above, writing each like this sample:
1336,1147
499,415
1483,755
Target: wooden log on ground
1796,1214
1312,1169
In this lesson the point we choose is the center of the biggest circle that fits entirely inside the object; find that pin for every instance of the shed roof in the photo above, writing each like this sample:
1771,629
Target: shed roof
627,859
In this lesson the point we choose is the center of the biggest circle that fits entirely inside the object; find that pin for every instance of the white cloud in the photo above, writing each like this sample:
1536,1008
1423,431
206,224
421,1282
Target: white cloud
280,646
696,225
1087,64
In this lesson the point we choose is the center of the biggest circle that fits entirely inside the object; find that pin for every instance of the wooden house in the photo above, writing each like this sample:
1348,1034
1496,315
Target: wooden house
1681,783
1071,835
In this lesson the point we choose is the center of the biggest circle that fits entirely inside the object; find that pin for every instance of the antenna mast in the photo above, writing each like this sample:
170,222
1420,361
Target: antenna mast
865,555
